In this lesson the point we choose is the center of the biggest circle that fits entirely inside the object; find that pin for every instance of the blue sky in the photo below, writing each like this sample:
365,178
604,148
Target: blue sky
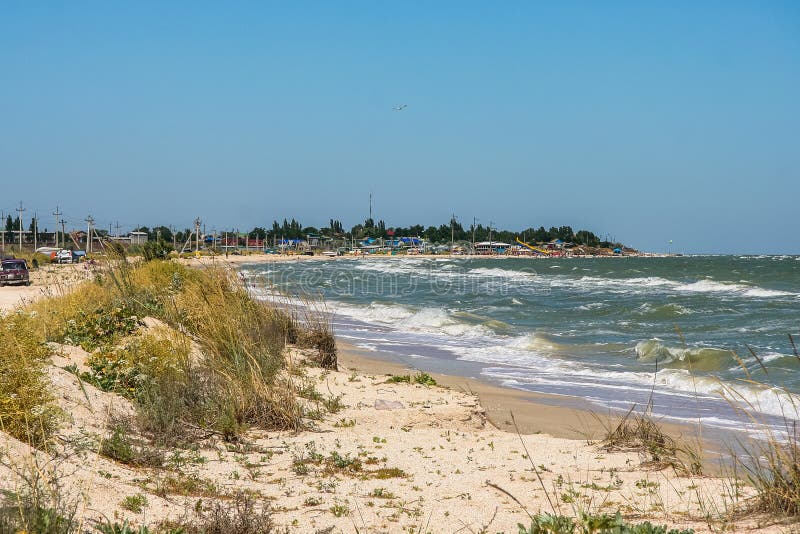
648,121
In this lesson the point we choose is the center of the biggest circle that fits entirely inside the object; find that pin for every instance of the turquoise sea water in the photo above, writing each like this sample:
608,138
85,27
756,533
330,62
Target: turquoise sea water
607,330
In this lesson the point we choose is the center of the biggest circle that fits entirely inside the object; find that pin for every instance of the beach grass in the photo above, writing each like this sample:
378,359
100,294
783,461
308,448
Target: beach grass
215,363
27,410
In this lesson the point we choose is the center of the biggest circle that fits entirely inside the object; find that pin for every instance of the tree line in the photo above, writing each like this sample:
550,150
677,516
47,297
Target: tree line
294,229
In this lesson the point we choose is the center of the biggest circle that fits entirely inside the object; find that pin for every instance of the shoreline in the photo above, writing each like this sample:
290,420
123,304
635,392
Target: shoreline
559,416
572,418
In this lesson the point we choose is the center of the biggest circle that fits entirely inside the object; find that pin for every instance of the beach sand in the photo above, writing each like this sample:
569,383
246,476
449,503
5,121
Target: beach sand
395,457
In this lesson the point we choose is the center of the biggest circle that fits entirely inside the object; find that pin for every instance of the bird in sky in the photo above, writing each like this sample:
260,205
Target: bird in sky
401,107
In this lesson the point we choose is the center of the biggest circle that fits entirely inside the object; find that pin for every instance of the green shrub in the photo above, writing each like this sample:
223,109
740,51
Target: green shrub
134,503
101,326
120,446
592,524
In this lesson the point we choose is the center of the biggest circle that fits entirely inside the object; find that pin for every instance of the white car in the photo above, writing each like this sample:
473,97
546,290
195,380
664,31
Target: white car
64,256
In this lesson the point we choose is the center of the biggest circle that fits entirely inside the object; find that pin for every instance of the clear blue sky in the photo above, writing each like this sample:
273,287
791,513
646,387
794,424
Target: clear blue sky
649,121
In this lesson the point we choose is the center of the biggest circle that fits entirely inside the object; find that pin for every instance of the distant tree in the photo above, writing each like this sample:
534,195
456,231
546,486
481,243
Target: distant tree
336,226
257,233
160,232
357,231
585,237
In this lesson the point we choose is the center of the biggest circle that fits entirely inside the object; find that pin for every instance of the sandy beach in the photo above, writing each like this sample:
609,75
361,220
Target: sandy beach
394,457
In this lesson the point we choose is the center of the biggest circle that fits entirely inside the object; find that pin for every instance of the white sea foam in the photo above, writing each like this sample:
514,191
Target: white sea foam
426,320
502,273
711,286
592,306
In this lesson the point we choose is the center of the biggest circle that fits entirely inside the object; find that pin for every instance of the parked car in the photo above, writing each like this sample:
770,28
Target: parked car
14,271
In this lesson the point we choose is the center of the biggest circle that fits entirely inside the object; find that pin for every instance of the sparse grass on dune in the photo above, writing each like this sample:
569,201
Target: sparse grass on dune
641,432
55,314
772,467
27,411
230,381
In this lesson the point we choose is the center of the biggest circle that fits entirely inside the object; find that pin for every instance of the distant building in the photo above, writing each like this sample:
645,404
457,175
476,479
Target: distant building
313,241
138,238
491,247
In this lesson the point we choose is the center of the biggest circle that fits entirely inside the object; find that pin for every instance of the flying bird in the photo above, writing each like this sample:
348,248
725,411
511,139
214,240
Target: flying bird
401,107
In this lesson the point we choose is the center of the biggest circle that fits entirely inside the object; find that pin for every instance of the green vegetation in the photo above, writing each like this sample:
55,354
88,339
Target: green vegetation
382,493
99,327
39,504
592,524
121,447
420,378
134,503
340,510
240,516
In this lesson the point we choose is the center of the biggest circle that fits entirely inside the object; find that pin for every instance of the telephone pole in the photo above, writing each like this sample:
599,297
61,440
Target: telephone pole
20,209
197,223
89,222
35,231
57,214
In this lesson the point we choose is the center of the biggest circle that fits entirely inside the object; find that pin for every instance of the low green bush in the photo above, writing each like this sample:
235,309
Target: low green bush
593,524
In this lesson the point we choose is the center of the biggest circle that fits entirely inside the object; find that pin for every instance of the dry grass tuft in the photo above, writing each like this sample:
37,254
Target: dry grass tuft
640,432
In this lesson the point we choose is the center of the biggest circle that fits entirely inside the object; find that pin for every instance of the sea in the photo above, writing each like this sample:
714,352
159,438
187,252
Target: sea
693,339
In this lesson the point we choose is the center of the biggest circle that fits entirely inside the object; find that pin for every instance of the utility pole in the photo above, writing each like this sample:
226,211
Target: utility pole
3,230
370,205
89,222
197,222
20,210
116,227
57,214
491,248
63,232
35,231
